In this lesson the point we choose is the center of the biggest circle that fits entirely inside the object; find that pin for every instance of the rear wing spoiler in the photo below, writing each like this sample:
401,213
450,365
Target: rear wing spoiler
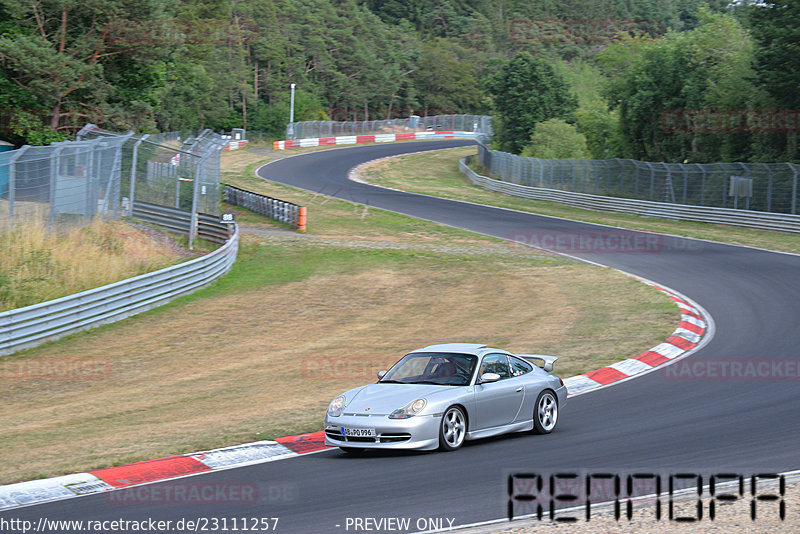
547,361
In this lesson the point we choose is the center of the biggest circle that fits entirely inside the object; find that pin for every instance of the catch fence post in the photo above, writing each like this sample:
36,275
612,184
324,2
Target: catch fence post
195,201
12,182
134,159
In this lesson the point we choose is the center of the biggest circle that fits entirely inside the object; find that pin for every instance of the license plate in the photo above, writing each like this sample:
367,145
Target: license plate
358,432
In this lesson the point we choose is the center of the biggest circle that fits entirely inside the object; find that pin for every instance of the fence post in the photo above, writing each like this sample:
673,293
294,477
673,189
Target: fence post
115,178
585,175
652,178
724,186
54,162
531,171
769,189
748,175
702,184
94,177
134,158
178,187
794,188
12,181
685,180
621,186
595,164
195,201
669,188
541,172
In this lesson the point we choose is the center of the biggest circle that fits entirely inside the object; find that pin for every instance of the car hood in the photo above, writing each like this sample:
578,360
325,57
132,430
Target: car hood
383,399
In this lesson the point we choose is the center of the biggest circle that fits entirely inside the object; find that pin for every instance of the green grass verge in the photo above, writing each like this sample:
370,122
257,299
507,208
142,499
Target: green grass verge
230,363
412,173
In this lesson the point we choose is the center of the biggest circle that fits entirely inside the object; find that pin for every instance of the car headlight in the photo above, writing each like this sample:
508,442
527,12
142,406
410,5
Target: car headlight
336,406
409,410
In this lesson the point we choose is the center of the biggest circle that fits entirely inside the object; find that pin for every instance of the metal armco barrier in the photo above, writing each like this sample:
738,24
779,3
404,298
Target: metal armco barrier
209,227
750,219
276,209
46,321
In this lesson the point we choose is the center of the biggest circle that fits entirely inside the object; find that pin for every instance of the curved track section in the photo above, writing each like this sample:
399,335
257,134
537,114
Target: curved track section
657,422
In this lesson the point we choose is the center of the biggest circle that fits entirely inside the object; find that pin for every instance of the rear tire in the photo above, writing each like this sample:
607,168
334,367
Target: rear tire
545,412
453,429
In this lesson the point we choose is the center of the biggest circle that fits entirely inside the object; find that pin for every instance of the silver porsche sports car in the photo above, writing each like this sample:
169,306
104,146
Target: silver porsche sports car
439,396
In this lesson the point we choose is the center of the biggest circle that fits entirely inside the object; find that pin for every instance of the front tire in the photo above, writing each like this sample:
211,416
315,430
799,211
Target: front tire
545,412
453,429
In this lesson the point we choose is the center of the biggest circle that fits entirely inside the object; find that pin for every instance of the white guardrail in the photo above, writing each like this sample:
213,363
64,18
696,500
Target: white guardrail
371,138
33,325
750,219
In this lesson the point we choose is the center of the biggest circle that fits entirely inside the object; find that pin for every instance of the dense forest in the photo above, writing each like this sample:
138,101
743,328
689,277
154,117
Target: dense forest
661,80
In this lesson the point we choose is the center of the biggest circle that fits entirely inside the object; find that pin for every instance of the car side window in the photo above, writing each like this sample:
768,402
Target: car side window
519,367
496,363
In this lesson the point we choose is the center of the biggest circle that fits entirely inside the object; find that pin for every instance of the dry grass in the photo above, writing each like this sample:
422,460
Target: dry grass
38,265
260,353
244,365
336,218
235,162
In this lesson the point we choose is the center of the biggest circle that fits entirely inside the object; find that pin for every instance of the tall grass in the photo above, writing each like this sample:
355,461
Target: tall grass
38,265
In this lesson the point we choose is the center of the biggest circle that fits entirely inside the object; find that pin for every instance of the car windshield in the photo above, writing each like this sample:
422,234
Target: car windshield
440,368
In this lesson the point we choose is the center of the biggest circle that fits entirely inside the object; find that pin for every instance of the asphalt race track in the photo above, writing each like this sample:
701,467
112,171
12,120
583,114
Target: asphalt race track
654,423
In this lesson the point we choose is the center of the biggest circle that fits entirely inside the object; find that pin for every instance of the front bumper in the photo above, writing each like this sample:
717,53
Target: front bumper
420,432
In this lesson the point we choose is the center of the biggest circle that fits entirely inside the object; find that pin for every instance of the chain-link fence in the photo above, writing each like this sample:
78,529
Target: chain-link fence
771,187
64,181
102,172
169,169
463,123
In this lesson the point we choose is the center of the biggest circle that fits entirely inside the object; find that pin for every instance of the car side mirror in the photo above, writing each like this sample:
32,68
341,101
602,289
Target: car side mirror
489,377
381,374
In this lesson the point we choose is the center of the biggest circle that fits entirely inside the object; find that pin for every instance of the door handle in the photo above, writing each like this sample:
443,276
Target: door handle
519,389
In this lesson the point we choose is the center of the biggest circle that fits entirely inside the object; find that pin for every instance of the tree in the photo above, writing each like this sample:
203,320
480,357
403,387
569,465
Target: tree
430,18
686,74
57,52
446,79
603,134
272,119
556,139
525,92
593,117
776,28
